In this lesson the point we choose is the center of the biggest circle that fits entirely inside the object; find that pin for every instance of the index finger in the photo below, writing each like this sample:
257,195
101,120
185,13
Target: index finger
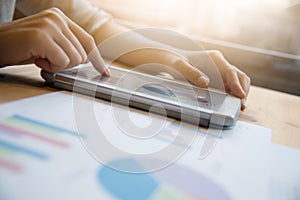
88,43
97,61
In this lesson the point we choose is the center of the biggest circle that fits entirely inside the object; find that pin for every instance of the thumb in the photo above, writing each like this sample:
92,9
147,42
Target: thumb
191,73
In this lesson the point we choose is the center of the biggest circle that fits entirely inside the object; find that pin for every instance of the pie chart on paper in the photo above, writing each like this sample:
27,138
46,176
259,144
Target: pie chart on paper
172,183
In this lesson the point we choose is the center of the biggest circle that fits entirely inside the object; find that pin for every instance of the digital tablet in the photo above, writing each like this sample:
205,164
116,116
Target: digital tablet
175,99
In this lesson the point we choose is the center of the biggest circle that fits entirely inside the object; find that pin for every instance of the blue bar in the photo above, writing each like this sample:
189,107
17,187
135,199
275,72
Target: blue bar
23,150
55,128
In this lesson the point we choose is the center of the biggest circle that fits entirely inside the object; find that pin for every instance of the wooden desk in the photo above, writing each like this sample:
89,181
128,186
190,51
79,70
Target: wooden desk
276,110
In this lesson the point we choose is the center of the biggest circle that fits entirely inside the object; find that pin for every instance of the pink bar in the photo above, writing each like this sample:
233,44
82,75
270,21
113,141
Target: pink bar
35,136
11,166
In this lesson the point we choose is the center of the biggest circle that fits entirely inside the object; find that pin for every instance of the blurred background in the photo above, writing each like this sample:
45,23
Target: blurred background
261,37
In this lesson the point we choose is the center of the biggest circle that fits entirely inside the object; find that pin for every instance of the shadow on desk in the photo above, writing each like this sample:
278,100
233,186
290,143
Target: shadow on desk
18,82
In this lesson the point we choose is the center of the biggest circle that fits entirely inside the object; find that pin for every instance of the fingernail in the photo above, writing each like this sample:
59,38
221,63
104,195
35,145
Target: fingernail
244,104
202,82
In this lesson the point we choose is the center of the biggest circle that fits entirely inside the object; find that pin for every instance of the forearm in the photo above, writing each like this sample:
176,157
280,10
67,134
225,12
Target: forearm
132,48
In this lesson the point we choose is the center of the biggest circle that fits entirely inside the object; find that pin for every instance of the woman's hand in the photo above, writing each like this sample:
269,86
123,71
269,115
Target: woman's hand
235,81
50,40
202,68
210,68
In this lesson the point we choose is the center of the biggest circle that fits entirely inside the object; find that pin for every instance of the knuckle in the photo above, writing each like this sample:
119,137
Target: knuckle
45,22
84,57
54,14
231,71
77,60
245,76
90,40
55,11
89,43
215,53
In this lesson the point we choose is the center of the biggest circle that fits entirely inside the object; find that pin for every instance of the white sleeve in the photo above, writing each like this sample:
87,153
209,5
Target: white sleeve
82,12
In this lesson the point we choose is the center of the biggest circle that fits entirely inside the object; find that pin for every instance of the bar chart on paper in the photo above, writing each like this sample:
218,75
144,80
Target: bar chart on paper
38,134
22,137
41,157
36,147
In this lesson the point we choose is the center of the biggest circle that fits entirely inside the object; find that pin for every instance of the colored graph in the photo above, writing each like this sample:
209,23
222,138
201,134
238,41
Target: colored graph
173,182
16,131
171,132
25,142
24,137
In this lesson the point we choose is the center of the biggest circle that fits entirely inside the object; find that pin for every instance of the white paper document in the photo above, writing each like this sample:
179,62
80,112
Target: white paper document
53,148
